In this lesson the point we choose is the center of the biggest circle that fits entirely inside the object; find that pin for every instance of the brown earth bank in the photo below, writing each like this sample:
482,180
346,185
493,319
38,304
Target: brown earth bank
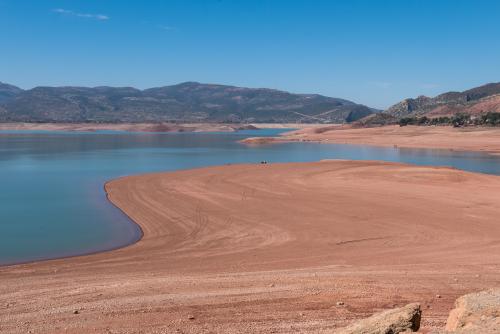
132,127
485,139
280,248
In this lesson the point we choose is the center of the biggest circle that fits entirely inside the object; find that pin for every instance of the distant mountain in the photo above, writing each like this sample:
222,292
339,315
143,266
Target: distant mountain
7,92
186,102
474,101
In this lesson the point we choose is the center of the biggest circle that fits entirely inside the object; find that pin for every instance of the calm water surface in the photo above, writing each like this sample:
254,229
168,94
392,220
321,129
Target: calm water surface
52,201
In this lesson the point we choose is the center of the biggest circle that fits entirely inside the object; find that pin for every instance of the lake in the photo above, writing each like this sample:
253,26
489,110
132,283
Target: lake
52,201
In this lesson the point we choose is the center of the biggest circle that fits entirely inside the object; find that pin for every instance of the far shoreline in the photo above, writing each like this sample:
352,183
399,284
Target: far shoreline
468,139
153,127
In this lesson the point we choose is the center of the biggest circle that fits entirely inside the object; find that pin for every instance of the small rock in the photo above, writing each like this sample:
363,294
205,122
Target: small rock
271,285
340,303
438,296
191,317
76,312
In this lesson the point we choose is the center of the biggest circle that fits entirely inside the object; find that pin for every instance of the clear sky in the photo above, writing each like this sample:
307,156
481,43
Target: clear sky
372,52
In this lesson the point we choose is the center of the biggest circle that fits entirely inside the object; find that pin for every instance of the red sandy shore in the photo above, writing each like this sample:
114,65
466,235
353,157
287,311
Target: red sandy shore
151,127
271,248
485,139
135,127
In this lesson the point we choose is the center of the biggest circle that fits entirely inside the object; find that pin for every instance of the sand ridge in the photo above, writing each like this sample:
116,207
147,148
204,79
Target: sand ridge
261,248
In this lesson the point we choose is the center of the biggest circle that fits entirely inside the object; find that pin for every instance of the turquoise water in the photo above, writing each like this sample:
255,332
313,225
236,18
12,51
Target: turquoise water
52,202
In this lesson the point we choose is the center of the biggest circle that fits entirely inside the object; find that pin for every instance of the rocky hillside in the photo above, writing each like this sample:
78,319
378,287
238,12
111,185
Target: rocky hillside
474,101
186,102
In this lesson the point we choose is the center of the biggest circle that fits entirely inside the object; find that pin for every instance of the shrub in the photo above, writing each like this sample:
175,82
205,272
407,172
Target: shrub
491,118
460,120
407,121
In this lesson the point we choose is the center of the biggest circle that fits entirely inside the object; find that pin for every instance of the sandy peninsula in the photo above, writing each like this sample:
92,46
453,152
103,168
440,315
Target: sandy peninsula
484,139
271,248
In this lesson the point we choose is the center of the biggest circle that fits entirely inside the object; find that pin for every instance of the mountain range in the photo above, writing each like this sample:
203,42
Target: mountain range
185,102
198,102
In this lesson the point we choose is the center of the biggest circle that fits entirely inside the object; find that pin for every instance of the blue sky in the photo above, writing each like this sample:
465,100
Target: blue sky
372,52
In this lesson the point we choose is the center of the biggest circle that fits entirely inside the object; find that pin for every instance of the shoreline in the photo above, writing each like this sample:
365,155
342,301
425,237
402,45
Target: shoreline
246,256
147,127
477,139
126,127
92,252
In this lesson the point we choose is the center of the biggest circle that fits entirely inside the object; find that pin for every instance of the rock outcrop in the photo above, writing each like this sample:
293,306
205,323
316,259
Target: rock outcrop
476,313
474,101
404,319
409,106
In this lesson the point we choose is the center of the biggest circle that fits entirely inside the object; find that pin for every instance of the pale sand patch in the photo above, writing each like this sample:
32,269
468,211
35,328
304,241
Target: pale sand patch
263,248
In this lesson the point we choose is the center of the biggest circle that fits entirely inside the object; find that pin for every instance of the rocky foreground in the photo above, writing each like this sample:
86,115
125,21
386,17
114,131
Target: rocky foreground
475,313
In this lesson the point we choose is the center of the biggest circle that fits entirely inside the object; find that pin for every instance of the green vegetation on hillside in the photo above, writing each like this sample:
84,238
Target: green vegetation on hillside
458,120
